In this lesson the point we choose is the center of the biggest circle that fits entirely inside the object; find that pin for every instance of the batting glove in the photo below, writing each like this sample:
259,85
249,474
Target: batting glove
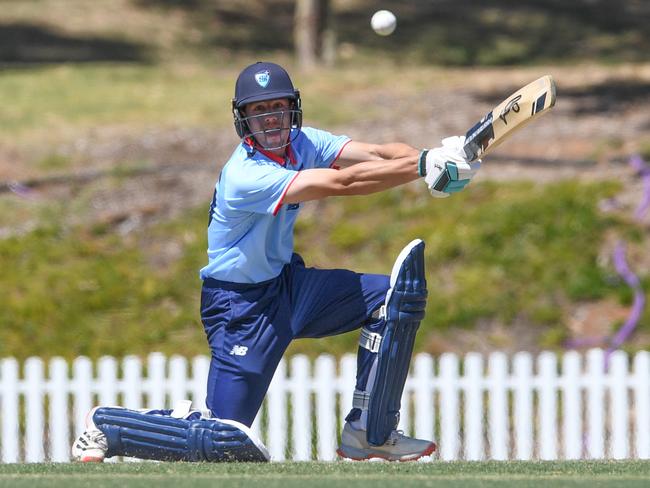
445,169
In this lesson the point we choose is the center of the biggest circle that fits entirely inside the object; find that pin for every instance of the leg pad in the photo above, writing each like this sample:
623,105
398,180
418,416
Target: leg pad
165,438
404,309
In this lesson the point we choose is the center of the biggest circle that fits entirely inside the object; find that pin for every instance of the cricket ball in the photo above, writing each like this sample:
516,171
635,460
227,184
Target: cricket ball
383,22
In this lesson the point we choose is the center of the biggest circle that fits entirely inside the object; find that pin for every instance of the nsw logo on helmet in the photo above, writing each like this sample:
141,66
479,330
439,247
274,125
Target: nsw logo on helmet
263,78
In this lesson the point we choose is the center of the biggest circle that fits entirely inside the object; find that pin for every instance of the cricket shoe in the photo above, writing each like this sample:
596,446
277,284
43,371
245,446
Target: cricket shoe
91,446
398,447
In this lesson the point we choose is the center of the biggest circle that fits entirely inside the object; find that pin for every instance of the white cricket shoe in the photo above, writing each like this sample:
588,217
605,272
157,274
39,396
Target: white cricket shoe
398,447
91,446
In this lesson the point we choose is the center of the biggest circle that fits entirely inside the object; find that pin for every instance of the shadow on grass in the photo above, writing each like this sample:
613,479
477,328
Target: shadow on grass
35,44
445,32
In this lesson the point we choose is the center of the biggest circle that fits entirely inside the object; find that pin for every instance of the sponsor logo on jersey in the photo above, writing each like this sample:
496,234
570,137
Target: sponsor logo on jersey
263,78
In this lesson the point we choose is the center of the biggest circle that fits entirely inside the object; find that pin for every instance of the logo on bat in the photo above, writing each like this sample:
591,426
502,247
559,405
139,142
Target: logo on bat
511,105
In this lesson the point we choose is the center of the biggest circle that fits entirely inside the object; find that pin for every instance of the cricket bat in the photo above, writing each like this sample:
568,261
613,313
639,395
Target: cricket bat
509,116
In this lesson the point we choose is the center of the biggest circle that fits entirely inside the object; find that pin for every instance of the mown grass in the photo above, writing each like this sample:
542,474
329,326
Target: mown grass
503,252
54,104
348,475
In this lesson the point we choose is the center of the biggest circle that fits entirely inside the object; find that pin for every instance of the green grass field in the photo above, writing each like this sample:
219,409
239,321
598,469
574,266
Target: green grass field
349,475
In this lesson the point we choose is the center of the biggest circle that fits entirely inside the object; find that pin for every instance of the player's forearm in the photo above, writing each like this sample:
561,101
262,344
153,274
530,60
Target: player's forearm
359,179
374,176
395,150
355,152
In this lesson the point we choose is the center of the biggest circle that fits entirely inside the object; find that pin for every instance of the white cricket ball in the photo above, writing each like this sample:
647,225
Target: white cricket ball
383,22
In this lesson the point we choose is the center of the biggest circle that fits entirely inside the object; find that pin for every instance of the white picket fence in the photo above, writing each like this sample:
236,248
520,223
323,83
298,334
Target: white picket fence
494,407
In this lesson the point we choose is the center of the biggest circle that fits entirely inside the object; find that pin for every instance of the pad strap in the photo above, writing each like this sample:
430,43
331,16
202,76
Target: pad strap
370,340
361,400
181,409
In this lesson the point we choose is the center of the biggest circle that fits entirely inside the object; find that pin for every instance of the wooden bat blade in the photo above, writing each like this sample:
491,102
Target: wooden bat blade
509,116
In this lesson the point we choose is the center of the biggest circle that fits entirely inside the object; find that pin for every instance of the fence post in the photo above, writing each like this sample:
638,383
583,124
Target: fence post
59,427
325,387
34,424
449,419
474,407
347,380
156,384
548,406
523,416
277,408
132,367
107,381
423,396
300,387
10,414
498,405
619,412
594,378
572,405
642,404
177,380
200,372
82,391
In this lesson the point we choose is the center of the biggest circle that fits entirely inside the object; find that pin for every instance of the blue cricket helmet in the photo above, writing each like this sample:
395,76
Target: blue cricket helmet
263,81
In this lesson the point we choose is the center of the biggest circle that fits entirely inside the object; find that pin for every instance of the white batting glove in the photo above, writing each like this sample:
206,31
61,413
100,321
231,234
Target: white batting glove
446,169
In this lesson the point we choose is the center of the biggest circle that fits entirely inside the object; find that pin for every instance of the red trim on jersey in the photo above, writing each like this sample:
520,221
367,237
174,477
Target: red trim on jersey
274,157
334,165
292,156
284,192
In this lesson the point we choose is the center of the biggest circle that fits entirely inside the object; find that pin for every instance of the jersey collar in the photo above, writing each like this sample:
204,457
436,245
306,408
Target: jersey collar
282,161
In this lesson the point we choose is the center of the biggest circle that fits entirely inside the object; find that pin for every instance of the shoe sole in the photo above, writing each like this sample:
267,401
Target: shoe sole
91,459
364,455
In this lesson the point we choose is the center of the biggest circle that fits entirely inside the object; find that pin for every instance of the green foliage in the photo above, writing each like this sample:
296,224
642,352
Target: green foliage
503,252
70,292
496,252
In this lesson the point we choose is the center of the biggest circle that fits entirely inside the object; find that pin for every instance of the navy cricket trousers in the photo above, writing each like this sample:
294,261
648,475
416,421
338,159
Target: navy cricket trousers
249,327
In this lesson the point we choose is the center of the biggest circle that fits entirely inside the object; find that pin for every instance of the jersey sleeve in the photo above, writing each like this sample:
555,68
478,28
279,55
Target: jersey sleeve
327,146
258,186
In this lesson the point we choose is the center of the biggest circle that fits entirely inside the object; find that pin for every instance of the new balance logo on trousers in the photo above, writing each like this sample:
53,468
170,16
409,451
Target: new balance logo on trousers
238,350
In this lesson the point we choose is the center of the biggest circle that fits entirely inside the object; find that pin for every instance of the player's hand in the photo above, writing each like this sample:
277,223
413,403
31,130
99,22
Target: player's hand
447,169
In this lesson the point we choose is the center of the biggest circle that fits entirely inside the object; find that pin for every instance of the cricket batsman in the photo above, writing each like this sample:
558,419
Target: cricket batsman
258,295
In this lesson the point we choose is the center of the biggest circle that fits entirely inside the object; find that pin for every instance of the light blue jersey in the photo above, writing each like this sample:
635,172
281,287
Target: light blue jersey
250,236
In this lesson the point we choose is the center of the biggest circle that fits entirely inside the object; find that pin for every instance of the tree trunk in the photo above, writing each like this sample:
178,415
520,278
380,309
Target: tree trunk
313,33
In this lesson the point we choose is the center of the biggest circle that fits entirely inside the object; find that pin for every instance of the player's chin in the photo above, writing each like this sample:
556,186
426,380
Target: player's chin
275,140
